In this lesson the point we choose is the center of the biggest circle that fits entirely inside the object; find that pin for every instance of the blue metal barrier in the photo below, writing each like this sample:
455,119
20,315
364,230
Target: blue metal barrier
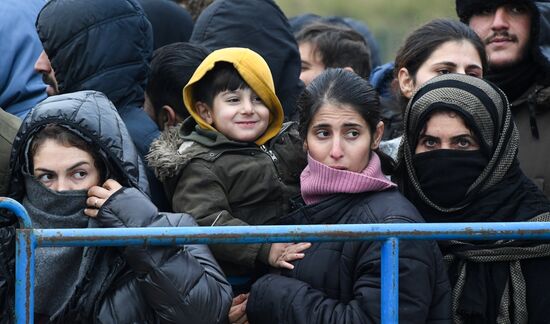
28,239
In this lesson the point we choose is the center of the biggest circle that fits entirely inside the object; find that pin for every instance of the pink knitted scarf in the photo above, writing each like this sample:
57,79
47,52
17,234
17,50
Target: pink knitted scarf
318,181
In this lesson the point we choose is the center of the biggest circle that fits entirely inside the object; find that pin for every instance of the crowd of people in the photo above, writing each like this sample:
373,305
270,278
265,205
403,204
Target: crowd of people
151,113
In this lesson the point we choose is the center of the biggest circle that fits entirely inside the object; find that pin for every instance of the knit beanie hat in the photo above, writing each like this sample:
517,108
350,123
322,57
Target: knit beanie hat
465,9
254,71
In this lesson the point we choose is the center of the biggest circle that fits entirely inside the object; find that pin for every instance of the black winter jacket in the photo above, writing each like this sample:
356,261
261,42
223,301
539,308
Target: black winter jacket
106,46
181,284
339,282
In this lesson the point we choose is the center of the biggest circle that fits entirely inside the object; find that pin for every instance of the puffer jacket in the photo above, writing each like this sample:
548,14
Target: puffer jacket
225,24
107,49
181,284
339,282
223,182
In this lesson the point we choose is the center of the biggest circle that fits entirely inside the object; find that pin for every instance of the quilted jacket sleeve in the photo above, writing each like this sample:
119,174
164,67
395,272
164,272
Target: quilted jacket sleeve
178,282
279,299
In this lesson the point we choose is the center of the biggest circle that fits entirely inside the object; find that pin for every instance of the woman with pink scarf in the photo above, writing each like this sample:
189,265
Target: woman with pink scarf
344,183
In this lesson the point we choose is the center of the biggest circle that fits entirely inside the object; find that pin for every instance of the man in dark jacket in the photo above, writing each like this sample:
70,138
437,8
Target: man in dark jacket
516,36
102,45
261,26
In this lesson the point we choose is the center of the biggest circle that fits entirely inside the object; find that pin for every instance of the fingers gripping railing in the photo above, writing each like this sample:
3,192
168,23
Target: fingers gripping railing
28,239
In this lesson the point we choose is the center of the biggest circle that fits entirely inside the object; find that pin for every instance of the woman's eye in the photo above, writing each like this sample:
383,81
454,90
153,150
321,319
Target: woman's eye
79,175
430,143
444,71
474,74
463,143
45,177
322,133
352,133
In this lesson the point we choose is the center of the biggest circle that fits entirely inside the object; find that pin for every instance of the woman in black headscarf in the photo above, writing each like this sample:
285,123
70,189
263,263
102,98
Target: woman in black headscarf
457,163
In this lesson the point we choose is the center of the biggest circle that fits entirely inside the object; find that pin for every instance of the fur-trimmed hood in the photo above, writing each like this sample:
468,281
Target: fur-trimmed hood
170,153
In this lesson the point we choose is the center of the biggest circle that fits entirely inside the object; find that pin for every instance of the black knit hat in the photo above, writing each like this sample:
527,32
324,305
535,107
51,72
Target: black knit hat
465,9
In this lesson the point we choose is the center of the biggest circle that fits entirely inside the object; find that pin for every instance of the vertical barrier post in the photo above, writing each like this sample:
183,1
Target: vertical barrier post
390,281
24,276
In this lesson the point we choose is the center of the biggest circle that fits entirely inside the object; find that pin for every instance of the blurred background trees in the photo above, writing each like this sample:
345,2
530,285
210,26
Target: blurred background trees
388,20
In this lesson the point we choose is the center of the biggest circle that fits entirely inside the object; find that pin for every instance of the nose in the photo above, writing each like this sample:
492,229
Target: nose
247,107
336,151
61,184
42,64
500,19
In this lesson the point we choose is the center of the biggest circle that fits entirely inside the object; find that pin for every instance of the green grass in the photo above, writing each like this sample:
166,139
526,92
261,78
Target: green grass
389,20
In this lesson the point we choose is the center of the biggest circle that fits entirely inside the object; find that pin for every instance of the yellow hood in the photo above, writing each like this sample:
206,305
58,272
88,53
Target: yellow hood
254,71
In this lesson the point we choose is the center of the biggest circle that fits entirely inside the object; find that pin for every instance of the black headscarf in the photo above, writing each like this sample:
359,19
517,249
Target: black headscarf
498,190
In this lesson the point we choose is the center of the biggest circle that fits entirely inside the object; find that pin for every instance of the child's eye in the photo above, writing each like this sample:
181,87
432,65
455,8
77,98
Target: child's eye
257,99
232,99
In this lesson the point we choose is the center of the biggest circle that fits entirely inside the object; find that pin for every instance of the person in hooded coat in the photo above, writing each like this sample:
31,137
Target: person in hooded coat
175,284
106,46
20,87
516,34
262,27
493,282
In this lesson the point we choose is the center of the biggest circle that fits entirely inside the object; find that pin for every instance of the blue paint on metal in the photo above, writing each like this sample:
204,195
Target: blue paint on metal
390,281
294,233
28,239
24,276
18,209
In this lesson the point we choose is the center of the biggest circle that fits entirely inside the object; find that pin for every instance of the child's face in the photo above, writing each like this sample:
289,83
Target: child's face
240,115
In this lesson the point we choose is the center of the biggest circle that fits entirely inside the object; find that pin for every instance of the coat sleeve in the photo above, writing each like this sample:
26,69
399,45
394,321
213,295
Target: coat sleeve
201,193
279,299
178,282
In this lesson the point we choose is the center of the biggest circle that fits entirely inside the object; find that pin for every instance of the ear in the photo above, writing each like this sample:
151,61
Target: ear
204,111
377,136
168,116
406,82
349,68
305,145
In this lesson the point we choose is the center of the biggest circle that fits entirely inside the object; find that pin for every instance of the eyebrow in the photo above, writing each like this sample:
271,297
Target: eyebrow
449,63
330,126
76,165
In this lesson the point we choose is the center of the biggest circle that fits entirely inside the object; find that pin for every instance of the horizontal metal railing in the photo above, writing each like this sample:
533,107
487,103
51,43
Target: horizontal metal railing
28,239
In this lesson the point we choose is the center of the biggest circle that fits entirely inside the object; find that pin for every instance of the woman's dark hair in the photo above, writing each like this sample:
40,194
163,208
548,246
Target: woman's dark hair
422,42
65,137
222,77
341,87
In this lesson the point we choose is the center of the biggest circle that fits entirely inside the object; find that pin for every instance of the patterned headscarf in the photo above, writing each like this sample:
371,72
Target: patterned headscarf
485,109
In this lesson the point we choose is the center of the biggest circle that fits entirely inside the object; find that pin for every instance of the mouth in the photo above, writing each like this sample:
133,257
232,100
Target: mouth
338,167
246,124
501,39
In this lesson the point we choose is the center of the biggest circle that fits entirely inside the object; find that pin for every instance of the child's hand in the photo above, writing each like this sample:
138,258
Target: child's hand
98,195
281,254
237,312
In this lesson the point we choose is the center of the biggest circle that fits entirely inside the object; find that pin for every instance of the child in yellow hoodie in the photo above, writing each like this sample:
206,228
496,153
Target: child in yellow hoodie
234,162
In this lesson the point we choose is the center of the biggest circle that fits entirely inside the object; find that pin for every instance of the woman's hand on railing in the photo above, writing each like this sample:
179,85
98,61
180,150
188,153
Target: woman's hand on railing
281,254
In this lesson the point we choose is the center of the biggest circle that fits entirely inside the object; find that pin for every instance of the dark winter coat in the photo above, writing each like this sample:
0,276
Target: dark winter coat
339,282
223,182
132,284
262,27
108,50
